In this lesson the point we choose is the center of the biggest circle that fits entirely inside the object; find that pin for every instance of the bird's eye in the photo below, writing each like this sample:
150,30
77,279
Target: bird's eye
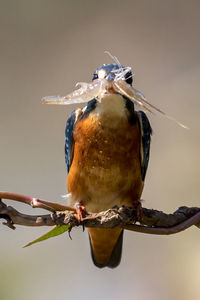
95,76
129,78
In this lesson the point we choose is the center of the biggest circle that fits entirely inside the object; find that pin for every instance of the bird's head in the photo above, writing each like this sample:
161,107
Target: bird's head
111,72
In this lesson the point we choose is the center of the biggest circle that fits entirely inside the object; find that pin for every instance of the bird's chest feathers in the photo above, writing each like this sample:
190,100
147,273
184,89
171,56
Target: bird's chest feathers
100,134
106,152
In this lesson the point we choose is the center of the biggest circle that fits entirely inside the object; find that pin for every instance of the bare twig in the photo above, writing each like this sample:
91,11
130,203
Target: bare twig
35,202
152,221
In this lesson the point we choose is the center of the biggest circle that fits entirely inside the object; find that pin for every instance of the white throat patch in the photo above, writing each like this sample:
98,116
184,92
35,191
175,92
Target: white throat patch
111,104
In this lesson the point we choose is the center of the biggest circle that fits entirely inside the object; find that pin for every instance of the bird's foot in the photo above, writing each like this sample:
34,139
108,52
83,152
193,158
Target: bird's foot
80,211
138,206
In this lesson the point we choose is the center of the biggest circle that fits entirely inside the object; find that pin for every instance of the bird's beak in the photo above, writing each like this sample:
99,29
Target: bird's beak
109,86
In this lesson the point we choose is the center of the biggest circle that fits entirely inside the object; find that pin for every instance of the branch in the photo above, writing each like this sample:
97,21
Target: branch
152,221
35,202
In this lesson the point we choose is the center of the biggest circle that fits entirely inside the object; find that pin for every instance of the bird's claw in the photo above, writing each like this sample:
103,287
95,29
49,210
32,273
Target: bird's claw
138,206
80,212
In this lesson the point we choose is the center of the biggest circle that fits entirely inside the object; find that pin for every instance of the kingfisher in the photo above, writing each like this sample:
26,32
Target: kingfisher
107,146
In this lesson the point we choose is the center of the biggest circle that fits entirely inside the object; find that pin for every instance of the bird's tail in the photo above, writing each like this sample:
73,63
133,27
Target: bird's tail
106,246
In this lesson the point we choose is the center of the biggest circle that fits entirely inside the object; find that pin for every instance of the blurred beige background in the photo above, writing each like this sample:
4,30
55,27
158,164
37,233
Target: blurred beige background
46,47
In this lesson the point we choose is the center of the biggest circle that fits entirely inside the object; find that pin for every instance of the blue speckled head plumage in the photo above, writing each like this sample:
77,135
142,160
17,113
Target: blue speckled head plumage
110,72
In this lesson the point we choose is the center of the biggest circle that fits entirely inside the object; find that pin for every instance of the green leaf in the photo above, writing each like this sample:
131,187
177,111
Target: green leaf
57,230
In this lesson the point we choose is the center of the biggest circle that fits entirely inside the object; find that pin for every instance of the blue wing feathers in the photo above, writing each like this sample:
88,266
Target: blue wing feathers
146,141
70,126
69,139
87,109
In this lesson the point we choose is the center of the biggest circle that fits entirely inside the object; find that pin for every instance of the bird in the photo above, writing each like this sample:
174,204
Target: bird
107,147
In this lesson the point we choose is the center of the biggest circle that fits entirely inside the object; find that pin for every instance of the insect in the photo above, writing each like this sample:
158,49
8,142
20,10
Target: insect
98,86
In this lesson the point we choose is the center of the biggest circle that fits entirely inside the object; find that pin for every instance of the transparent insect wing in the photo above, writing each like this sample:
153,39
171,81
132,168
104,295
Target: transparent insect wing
88,91
128,91
85,93
136,96
53,100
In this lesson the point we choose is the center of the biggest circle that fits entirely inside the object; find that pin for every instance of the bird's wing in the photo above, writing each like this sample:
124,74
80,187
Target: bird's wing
146,132
75,116
69,138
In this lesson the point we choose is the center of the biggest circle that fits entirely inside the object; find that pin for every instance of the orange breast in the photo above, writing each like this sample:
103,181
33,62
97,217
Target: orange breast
106,167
